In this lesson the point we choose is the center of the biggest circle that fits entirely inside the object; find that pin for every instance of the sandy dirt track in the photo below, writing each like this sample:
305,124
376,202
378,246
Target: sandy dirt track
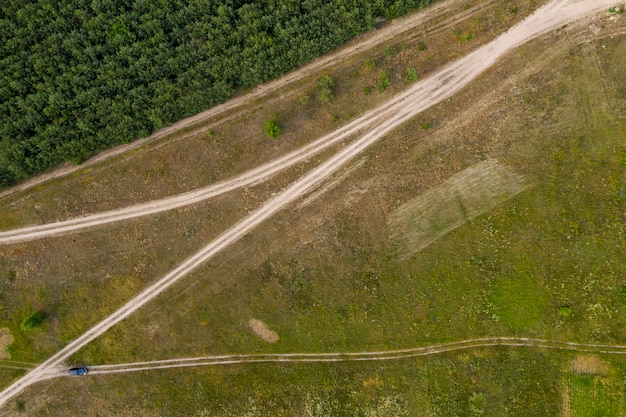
395,28
349,357
438,87
420,94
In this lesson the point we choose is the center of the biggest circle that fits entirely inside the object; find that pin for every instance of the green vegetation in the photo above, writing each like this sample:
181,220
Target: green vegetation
325,89
82,76
410,75
33,321
464,37
595,395
370,63
271,128
383,80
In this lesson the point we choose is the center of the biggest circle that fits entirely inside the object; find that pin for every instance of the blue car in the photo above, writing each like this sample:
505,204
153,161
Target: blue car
78,371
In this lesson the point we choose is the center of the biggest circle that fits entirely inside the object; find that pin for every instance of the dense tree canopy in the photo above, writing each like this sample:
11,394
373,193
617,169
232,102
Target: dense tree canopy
79,76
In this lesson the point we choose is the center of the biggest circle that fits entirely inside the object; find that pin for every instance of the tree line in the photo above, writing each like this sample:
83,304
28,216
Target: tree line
79,76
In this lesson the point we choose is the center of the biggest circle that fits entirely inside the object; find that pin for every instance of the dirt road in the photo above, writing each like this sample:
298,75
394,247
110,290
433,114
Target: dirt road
436,88
373,117
392,30
349,357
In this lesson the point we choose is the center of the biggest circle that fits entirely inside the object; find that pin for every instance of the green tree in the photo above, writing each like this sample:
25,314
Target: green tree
271,128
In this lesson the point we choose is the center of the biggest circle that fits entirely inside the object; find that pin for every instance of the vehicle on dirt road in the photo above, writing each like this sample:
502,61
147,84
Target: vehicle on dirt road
78,371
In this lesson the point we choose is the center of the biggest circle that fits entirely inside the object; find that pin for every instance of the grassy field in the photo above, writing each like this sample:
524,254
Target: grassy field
326,276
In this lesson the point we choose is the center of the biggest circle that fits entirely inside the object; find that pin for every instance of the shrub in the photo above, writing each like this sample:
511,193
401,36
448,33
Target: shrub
425,126
304,99
325,89
421,46
367,90
370,63
464,36
411,75
271,128
383,80
33,321
390,52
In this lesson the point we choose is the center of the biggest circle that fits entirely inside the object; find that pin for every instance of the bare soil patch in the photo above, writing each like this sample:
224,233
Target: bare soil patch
590,364
263,331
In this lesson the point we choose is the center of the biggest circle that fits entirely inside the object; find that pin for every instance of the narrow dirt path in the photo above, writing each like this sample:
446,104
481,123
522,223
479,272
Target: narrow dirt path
349,357
437,88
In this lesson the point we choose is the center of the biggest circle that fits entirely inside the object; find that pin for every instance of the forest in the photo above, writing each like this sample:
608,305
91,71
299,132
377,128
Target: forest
80,76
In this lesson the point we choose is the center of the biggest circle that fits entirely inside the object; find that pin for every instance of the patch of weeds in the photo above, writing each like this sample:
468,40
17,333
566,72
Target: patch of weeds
210,133
367,90
403,47
425,126
616,10
271,128
304,99
348,116
390,52
11,277
564,311
464,37
519,301
622,295
20,405
514,10
325,89
477,403
334,118
410,75
383,81
421,46
33,321
370,64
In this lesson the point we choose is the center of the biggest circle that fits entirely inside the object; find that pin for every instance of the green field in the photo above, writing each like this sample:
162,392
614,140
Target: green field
546,260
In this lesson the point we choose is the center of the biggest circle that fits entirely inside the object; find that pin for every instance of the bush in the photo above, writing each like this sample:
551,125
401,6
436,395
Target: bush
383,80
271,128
33,321
370,63
326,89
411,75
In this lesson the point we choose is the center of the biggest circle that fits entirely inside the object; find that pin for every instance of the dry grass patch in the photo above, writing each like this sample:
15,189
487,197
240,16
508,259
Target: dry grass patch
263,331
589,364
6,338
461,198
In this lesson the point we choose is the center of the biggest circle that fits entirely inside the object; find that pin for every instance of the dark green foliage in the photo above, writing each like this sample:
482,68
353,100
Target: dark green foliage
325,89
271,128
33,321
79,76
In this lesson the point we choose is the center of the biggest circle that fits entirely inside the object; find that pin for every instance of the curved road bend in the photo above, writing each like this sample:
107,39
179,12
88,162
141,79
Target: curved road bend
395,28
447,82
416,99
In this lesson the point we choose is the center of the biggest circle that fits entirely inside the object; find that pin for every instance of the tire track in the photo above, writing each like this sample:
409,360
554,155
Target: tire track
398,27
438,87
351,357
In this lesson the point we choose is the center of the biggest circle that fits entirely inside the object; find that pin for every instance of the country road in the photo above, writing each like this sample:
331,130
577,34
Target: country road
420,96
393,29
348,357
428,92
